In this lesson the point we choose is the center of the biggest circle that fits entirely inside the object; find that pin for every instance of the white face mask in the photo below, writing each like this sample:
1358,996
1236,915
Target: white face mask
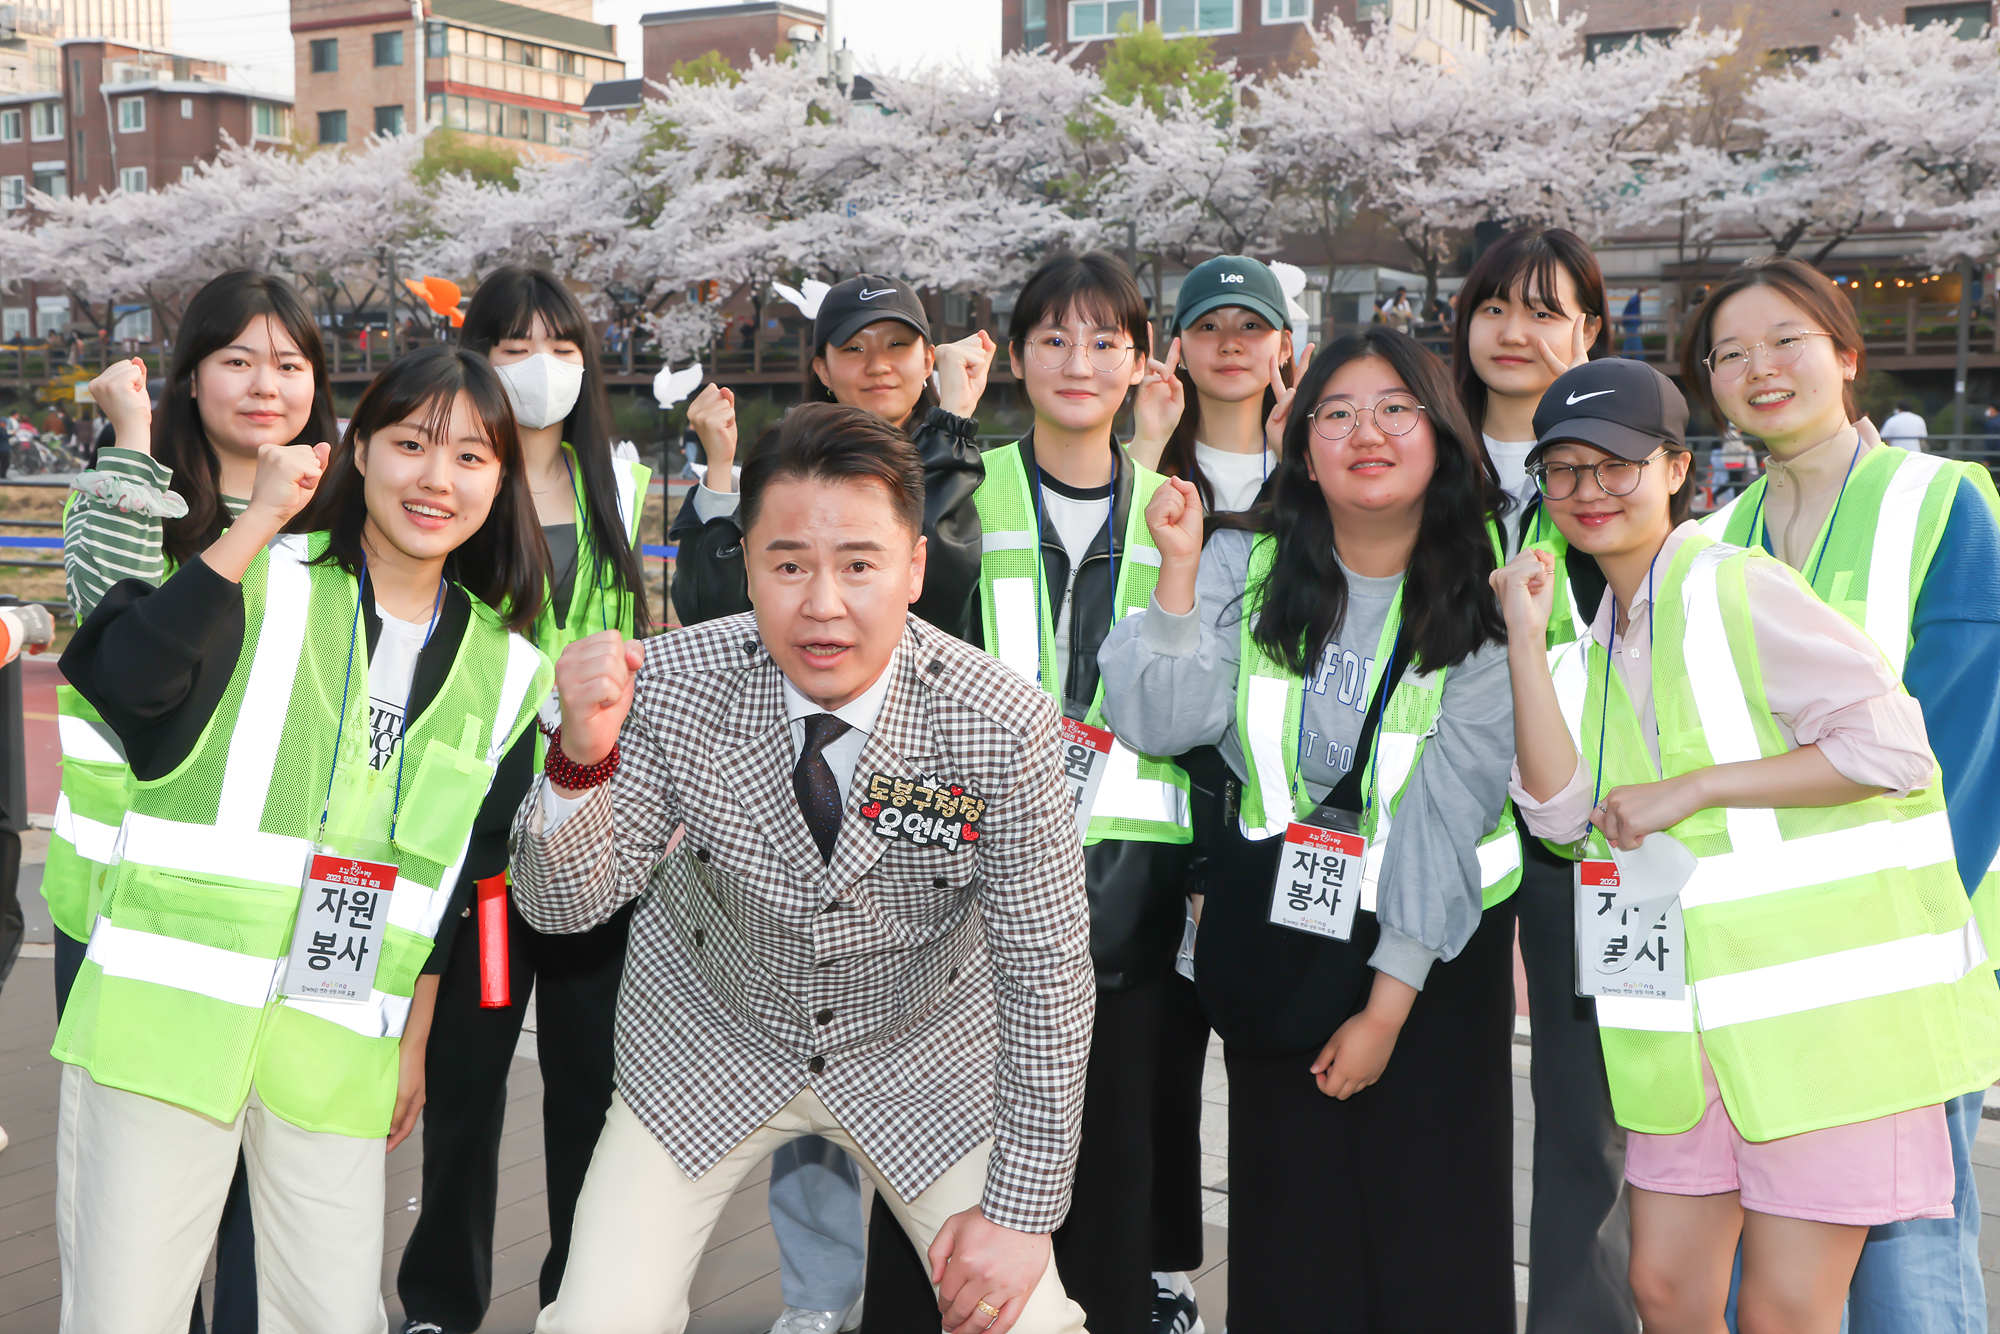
542,389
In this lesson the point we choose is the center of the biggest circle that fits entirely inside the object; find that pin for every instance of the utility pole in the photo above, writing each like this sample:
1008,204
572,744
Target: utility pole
1959,426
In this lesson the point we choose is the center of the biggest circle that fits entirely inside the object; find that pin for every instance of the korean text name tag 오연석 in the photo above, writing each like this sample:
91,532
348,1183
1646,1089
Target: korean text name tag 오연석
343,914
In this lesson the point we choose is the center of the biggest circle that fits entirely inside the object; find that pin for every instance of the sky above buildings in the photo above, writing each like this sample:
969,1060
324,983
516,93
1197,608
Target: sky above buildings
254,35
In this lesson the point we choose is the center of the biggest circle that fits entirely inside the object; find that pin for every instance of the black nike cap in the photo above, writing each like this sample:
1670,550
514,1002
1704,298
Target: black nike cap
1621,406
852,306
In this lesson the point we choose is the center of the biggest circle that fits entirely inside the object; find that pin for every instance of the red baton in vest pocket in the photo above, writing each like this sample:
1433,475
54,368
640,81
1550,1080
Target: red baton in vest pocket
494,991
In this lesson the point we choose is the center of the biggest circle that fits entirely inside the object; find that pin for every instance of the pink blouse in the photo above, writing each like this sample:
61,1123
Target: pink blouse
1826,681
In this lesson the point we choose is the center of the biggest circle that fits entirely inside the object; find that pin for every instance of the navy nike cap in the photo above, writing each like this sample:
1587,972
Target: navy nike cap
1621,406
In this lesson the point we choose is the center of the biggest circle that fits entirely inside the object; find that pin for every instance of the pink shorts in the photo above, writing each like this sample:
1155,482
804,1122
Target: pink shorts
1887,1170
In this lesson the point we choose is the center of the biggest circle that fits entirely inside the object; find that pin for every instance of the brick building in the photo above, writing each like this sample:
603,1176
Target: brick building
1257,34
489,68
1795,29
735,32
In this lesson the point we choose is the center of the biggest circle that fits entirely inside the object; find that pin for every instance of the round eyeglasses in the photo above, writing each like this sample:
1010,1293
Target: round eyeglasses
1052,351
1614,477
1395,414
1728,361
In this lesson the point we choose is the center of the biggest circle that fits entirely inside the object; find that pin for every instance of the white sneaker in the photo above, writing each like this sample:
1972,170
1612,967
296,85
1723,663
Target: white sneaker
798,1320
1174,1308
3,1139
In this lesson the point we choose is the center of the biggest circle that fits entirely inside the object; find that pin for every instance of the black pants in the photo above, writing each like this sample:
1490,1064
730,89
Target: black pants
235,1238
447,1272
1105,1249
1580,1236
1391,1212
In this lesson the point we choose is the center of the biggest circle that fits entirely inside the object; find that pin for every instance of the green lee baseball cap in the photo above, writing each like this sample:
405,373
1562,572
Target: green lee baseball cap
1231,280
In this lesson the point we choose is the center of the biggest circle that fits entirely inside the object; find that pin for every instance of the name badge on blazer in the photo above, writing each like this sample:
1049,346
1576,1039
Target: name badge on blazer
926,809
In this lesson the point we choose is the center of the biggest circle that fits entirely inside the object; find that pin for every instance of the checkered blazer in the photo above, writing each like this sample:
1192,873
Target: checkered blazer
930,995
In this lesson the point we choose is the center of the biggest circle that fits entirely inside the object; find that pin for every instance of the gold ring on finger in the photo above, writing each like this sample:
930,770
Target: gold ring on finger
987,1308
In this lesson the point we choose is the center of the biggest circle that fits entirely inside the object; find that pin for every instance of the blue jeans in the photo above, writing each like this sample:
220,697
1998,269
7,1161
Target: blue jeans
816,1214
1923,1276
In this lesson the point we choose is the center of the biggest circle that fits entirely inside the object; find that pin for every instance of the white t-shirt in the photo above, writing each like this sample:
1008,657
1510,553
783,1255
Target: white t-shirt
1237,478
1905,430
1511,458
1078,518
391,669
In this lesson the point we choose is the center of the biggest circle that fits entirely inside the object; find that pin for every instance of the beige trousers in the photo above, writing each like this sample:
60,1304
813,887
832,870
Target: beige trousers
139,1191
641,1224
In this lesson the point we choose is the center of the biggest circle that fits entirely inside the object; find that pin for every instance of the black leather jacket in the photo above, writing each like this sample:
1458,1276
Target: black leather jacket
1138,891
708,570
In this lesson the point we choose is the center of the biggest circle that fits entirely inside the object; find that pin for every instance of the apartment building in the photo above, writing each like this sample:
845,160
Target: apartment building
489,68
735,32
1786,29
1256,34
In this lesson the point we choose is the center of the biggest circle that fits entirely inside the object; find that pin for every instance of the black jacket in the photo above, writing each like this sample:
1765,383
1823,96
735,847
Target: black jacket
1138,891
708,570
189,634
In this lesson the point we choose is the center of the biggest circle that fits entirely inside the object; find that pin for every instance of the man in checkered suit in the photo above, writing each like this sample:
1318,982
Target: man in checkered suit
862,915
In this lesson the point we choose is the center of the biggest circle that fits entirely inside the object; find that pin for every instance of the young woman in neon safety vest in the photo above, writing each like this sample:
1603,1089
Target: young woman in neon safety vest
1066,554
1531,308
248,369
589,504
351,694
1349,652
1836,989
1214,413
872,350
1905,546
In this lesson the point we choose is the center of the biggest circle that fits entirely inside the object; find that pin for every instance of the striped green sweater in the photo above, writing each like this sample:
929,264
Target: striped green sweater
103,543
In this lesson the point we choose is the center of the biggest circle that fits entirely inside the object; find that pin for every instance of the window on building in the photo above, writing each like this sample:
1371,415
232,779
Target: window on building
1180,17
1783,57
434,41
13,192
1599,43
48,67
187,174
131,115
333,127
325,55
54,184
16,323
1089,19
388,48
1288,11
132,180
45,120
1970,20
187,108
271,121
10,126
389,120
1034,24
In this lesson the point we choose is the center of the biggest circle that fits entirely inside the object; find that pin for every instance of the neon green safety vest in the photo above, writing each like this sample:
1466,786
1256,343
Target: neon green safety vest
1892,515
1835,973
592,605
177,997
1270,702
88,811
1143,798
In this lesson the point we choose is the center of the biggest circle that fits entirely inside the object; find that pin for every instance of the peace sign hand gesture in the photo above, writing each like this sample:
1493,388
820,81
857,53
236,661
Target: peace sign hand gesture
1281,410
1157,408
1580,338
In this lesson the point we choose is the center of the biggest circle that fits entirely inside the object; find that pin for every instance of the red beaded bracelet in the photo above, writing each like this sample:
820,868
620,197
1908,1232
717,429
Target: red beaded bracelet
566,773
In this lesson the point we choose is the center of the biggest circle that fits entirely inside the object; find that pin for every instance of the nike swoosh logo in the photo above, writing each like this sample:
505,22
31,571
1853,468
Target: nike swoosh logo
1575,399
866,295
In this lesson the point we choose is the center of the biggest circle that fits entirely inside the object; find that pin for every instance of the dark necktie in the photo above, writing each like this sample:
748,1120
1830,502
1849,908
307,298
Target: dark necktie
812,780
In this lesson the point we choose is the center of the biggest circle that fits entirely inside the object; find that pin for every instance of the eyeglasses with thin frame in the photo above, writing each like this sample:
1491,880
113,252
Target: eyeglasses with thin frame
1728,361
1052,350
1614,477
1395,414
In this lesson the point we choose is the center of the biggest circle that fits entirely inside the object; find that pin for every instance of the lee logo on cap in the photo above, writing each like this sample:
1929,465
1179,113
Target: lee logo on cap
1229,278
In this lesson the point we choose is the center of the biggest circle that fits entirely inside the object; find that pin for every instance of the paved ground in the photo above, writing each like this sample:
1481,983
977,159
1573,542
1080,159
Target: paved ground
736,1290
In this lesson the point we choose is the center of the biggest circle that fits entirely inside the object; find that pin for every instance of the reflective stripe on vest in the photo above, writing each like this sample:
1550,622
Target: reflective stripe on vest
1868,869
94,840
92,742
1270,704
1142,798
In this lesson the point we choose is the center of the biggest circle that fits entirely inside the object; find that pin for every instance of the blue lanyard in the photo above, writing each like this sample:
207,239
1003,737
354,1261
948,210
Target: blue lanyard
596,569
1826,538
1375,745
1042,607
340,727
1604,702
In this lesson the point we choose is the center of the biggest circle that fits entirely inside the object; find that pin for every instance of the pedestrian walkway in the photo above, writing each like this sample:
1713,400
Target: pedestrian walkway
736,1290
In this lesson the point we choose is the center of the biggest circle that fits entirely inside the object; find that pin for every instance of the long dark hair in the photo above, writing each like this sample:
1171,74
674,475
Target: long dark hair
1802,285
505,564
505,306
218,313
1523,261
1448,608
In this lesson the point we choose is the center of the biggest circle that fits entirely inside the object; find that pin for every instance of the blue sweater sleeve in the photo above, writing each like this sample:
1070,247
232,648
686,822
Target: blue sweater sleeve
1953,665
